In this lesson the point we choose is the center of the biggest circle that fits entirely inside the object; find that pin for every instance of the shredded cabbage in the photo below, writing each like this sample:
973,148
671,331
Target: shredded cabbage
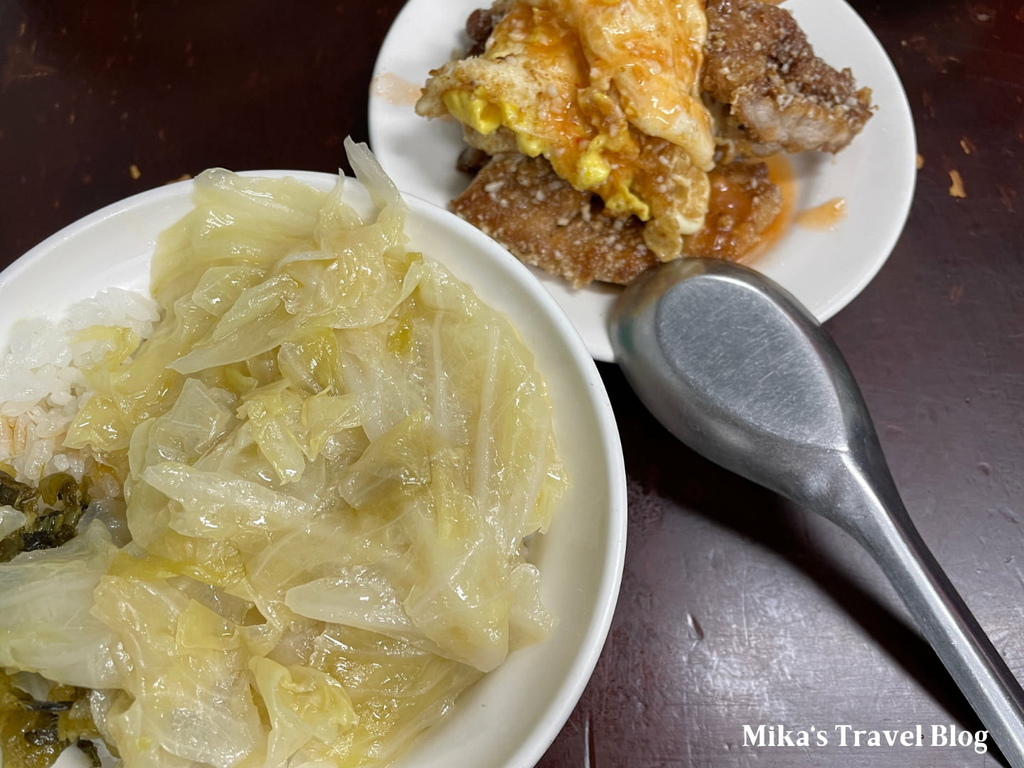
332,455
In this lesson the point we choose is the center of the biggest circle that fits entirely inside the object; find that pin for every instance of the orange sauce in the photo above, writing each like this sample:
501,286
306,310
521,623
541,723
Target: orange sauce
396,90
728,206
780,173
824,216
728,231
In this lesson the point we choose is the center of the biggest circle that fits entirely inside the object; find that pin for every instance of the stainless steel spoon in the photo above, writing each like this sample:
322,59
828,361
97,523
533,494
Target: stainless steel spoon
738,370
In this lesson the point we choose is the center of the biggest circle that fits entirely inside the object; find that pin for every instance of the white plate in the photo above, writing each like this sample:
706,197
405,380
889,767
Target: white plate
510,717
824,269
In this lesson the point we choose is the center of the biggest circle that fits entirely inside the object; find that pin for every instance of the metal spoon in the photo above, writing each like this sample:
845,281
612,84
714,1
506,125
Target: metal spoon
738,370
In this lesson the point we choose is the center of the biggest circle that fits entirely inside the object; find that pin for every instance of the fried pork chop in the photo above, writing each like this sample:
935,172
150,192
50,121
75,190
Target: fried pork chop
781,96
523,204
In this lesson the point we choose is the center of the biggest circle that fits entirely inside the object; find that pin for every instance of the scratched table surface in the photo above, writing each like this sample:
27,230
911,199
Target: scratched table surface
737,609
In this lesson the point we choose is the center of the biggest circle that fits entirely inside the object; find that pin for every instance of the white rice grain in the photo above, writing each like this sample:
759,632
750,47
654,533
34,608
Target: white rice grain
42,387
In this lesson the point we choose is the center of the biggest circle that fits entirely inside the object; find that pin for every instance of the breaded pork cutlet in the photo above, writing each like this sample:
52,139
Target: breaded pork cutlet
780,96
524,205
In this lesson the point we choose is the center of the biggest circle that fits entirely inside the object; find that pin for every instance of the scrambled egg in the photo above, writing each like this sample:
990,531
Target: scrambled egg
608,92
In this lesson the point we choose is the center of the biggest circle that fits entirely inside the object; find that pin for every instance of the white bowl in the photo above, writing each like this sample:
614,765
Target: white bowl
510,717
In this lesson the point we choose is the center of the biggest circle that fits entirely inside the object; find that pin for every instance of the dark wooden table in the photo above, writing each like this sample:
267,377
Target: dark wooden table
736,609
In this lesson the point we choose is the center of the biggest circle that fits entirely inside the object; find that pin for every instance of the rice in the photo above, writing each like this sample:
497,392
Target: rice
42,387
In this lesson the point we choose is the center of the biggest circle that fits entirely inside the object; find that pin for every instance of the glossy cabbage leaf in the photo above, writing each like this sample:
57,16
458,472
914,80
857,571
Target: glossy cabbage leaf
45,621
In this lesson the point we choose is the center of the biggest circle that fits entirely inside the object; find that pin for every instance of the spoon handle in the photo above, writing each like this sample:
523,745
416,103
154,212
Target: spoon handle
883,526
